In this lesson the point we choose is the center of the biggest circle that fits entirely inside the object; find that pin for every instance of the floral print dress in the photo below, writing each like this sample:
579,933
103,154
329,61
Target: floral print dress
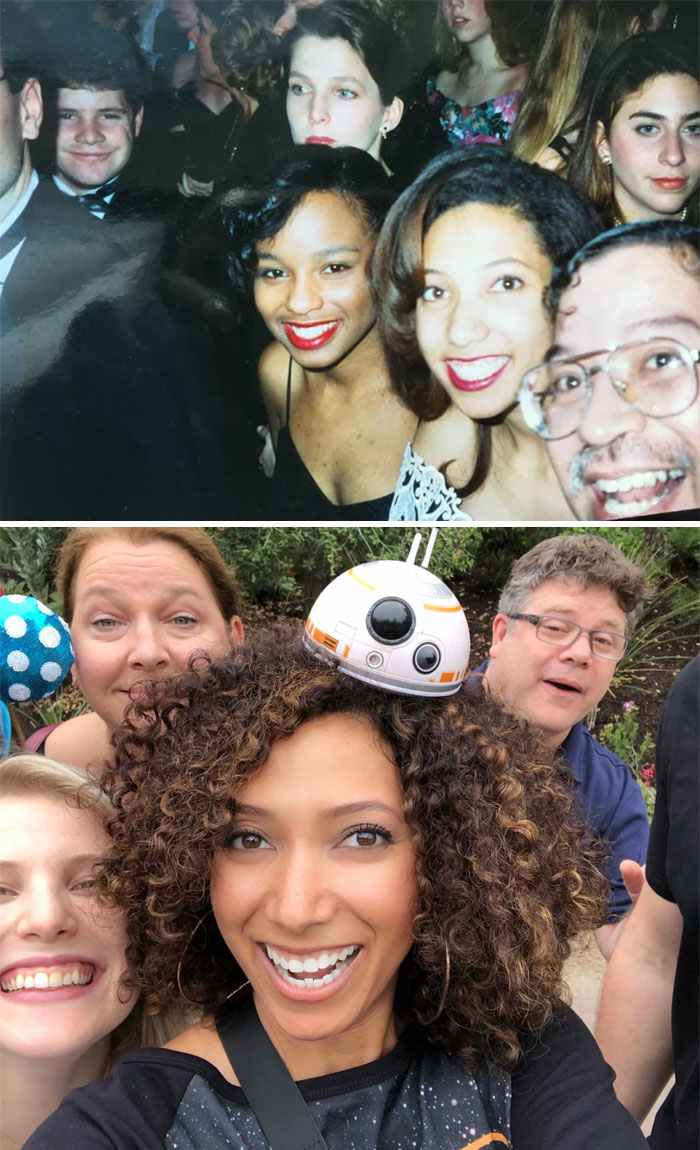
487,123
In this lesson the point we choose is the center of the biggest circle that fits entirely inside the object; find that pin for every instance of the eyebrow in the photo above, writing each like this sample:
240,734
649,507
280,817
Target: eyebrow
333,79
334,812
658,116
324,252
72,860
101,590
490,264
611,623
71,108
557,350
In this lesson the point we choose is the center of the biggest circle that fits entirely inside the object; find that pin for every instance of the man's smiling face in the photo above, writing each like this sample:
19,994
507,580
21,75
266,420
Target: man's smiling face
619,456
554,687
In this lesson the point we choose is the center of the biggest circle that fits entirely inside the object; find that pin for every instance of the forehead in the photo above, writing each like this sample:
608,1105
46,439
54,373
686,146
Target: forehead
630,293
92,99
321,222
570,598
326,60
119,561
673,93
478,234
20,815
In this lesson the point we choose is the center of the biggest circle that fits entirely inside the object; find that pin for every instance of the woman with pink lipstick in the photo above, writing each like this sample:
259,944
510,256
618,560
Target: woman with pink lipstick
638,154
460,272
140,601
62,1011
304,243
382,886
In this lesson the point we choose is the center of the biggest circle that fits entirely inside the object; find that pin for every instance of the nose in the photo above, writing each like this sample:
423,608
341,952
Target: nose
148,651
672,152
580,650
608,415
318,109
466,325
46,913
89,132
299,894
303,295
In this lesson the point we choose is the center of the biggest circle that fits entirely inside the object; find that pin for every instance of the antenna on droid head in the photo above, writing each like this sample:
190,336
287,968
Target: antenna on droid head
393,624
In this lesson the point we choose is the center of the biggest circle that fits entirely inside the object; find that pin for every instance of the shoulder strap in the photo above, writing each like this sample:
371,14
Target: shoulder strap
286,1120
289,392
36,740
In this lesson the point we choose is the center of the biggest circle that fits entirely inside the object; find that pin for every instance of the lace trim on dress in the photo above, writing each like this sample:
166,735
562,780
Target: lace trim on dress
422,493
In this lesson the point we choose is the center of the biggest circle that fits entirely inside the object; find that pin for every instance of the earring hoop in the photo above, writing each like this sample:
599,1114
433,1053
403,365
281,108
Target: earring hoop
178,972
384,131
443,997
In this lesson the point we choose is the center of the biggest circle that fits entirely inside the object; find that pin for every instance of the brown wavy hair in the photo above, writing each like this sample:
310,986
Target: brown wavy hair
503,877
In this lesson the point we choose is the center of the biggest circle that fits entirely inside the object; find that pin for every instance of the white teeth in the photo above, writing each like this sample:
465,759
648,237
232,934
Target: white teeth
477,369
637,479
312,332
68,978
47,980
29,982
55,978
20,981
312,965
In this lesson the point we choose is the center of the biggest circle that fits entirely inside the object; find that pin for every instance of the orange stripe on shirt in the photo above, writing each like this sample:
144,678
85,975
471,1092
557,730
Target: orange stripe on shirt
486,1140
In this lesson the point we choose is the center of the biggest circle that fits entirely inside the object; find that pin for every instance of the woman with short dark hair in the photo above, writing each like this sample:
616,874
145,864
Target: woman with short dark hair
303,241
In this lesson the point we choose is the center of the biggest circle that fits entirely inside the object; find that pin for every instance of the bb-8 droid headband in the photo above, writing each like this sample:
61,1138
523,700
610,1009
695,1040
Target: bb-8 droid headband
392,624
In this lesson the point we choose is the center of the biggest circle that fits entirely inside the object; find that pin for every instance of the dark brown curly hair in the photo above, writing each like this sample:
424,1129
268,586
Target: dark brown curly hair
503,877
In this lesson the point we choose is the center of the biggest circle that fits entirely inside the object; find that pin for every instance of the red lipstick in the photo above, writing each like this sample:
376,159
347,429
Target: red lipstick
320,333
670,183
479,384
319,140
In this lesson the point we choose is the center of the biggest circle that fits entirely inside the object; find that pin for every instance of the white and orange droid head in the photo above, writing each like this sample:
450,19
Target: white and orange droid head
392,624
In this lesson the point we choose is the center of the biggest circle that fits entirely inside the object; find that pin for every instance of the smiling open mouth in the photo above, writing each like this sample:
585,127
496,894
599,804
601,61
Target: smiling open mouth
475,374
327,966
308,336
638,492
49,977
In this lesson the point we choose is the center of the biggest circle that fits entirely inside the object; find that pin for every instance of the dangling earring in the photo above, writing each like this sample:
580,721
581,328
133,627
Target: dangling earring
178,973
384,131
443,997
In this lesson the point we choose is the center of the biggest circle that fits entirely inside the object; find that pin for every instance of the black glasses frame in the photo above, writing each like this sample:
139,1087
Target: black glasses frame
535,620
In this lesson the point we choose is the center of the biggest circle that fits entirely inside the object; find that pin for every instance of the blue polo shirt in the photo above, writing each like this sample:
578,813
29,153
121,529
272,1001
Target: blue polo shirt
614,806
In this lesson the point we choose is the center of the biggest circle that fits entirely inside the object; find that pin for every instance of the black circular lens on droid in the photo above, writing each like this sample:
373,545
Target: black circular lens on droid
426,658
391,621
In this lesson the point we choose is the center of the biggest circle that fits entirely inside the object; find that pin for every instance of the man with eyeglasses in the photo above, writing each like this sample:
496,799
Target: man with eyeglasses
617,398
564,620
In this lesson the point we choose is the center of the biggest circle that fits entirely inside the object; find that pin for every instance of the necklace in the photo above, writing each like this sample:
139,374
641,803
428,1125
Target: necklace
617,222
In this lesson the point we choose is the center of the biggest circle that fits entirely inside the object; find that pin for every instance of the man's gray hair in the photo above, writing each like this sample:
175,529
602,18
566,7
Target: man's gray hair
590,560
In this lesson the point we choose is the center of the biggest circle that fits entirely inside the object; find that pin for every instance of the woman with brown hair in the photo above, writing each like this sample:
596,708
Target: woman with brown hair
140,602
382,886
460,271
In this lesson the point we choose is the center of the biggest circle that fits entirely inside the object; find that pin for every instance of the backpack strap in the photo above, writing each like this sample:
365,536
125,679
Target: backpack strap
35,742
286,1120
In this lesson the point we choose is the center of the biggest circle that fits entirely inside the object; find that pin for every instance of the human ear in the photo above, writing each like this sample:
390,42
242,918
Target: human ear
392,115
31,109
498,633
602,146
235,630
138,120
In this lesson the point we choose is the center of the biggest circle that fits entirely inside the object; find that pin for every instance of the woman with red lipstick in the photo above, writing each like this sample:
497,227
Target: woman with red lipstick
387,884
304,243
62,1012
638,154
461,269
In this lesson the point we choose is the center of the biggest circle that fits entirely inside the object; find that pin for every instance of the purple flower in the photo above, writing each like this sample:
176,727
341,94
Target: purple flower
627,706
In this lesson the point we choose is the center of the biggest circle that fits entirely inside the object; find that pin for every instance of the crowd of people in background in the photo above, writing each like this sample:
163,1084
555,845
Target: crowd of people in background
159,157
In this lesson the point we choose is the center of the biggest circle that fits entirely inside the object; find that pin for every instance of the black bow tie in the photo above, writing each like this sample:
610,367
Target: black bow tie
13,236
95,201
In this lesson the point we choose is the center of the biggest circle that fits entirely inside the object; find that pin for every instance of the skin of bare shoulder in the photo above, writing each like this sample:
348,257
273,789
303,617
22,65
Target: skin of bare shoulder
552,161
450,439
82,741
273,366
202,1041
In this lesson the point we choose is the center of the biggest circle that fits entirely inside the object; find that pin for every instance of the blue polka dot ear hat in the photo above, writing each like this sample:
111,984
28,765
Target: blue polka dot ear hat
35,649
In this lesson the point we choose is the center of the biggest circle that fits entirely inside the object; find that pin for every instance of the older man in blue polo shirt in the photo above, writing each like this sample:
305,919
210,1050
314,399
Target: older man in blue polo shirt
564,620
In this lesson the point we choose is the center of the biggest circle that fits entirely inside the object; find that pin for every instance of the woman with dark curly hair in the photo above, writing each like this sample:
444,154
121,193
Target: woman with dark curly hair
392,879
302,240
460,272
